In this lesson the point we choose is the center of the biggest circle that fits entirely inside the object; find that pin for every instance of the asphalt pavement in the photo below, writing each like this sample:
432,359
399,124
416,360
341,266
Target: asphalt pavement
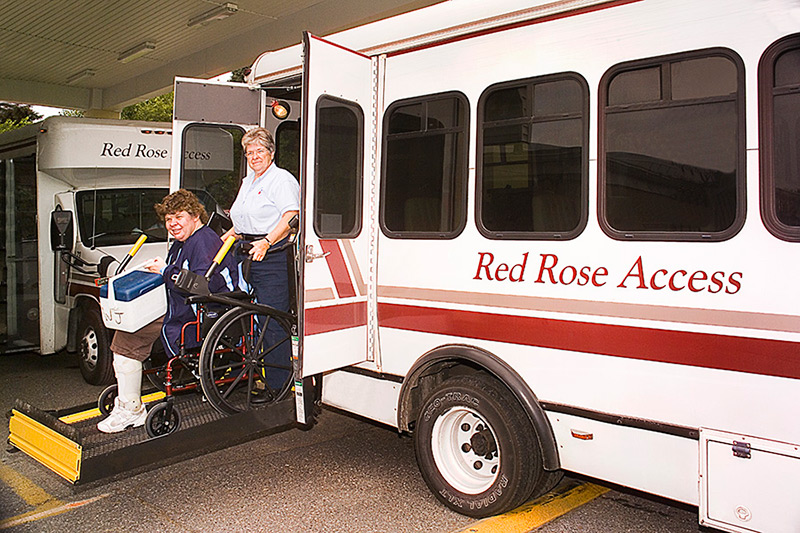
344,475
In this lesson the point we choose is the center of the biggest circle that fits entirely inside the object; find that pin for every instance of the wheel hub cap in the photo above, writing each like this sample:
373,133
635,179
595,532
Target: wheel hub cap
465,450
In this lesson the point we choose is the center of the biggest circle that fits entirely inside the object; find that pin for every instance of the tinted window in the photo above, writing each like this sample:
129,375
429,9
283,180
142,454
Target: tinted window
532,158
425,168
287,146
213,164
338,170
671,160
108,217
779,90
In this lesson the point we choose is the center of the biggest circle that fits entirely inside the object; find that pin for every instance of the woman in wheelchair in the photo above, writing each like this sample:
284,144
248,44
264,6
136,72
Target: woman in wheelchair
194,249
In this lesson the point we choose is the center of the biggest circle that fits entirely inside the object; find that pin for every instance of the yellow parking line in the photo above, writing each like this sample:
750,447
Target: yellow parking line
33,495
538,512
26,489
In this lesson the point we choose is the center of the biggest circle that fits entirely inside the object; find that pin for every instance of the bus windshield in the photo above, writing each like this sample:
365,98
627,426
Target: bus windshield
109,217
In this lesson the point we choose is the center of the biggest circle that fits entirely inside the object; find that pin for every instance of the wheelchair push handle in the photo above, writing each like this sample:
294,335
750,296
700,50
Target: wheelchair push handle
138,244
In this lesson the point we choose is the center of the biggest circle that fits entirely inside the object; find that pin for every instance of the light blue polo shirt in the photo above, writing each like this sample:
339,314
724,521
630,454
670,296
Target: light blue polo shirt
262,202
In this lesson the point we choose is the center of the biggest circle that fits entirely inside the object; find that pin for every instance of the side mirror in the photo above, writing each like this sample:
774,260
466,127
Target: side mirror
61,230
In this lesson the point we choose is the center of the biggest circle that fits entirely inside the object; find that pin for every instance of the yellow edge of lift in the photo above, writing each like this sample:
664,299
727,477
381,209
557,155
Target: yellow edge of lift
94,413
53,450
57,439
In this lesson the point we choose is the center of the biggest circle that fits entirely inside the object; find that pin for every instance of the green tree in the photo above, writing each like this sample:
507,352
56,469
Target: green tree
17,112
13,116
239,74
72,113
156,109
9,124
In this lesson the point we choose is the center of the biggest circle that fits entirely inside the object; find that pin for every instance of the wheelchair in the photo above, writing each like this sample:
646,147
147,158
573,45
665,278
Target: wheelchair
243,347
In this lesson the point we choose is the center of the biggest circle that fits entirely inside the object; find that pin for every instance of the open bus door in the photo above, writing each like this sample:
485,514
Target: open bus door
336,134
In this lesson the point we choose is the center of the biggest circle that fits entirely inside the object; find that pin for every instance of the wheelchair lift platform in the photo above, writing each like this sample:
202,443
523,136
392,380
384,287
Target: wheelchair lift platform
68,442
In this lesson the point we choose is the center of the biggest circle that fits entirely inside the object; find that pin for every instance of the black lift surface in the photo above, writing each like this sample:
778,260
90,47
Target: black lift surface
69,443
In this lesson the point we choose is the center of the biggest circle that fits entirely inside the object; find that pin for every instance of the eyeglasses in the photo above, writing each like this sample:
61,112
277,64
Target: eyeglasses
258,151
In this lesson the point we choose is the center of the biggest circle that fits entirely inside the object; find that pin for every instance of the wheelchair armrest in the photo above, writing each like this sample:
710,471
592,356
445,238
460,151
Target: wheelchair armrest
208,298
231,299
239,295
197,299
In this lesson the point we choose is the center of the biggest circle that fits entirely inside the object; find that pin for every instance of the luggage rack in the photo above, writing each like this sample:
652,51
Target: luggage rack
68,443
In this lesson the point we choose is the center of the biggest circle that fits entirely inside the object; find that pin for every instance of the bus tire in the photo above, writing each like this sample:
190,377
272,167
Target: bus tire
476,448
94,354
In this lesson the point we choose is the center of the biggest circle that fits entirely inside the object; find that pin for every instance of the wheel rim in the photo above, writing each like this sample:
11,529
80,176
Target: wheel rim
90,351
231,373
465,450
161,424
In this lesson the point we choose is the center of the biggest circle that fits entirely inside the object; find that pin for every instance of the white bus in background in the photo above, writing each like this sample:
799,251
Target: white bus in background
107,174
547,236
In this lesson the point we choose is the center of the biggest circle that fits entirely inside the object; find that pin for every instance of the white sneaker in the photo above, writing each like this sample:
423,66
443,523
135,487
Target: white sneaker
122,418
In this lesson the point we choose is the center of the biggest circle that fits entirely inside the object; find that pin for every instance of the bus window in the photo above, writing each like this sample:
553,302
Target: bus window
532,158
779,108
338,169
110,217
671,147
212,164
287,146
423,190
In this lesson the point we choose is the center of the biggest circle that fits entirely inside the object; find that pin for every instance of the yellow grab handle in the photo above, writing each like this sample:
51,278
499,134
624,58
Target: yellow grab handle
127,259
138,244
224,250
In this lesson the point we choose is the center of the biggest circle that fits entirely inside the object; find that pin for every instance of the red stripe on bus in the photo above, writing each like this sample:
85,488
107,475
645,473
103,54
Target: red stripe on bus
335,318
338,268
335,45
741,354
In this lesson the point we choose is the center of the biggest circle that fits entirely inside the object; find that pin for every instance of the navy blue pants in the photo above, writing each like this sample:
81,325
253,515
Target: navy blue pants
270,281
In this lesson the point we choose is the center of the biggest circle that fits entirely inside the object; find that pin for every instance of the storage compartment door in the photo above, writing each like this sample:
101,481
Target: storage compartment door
748,484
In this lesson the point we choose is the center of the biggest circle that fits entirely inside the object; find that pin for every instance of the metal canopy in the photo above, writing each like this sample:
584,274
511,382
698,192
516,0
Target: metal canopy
101,56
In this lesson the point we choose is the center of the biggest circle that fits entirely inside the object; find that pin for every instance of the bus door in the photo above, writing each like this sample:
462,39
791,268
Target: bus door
19,292
337,130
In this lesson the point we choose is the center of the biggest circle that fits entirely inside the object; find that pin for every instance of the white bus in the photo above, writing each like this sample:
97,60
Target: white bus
104,176
550,236
107,174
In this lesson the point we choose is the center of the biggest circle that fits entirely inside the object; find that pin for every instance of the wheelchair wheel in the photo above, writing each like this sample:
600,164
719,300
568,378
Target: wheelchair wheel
245,361
162,419
105,402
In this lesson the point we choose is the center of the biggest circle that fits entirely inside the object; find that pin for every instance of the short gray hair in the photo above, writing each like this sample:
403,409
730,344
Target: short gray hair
260,136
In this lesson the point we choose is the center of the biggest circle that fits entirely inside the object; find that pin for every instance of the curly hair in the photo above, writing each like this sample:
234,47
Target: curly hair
181,200
260,136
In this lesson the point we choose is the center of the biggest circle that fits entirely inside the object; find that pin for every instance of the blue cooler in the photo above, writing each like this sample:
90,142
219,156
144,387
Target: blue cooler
132,300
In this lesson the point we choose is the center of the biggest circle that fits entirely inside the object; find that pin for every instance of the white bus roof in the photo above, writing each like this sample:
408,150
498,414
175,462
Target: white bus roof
75,143
446,20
